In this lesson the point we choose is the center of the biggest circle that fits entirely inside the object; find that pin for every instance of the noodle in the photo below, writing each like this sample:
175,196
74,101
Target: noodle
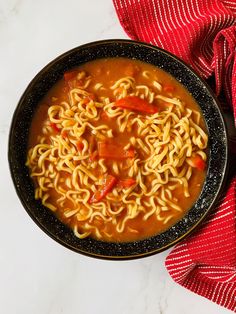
69,171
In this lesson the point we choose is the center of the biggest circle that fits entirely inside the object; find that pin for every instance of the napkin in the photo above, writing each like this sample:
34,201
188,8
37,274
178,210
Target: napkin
203,34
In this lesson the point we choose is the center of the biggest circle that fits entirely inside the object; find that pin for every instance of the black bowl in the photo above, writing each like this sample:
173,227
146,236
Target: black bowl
45,79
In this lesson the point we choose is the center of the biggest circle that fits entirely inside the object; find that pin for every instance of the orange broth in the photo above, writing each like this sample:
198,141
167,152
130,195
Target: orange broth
107,71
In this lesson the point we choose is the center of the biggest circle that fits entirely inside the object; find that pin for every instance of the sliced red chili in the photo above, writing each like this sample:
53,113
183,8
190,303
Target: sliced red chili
135,103
54,127
126,183
198,162
80,145
108,182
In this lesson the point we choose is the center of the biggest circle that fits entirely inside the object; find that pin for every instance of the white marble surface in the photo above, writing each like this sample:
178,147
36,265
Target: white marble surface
37,275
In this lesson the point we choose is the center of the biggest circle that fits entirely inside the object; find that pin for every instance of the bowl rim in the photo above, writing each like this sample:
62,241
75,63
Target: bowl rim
195,226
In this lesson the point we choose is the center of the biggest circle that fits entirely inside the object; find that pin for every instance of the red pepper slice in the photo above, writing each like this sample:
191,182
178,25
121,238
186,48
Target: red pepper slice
55,127
89,98
114,151
93,156
135,103
108,183
80,145
198,162
86,100
64,134
126,183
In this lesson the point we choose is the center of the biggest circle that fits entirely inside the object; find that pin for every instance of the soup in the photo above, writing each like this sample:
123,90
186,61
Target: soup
117,150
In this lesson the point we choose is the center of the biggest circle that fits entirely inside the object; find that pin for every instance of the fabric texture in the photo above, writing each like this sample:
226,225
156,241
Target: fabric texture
203,34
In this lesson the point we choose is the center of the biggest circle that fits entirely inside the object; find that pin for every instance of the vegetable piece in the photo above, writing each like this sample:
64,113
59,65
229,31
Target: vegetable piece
108,182
79,146
93,156
64,134
135,103
114,151
92,143
126,183
92,97
89,98
54,127
198,162
86,100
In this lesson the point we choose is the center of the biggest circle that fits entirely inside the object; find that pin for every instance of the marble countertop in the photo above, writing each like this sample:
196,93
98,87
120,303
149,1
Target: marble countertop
37,275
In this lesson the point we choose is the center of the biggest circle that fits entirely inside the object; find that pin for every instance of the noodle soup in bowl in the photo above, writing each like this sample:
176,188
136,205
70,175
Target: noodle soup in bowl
118,149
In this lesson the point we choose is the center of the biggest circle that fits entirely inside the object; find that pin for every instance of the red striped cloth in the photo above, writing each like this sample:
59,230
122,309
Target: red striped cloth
205,263
203,34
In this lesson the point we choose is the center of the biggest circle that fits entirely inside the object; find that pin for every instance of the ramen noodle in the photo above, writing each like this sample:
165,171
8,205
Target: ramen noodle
117,150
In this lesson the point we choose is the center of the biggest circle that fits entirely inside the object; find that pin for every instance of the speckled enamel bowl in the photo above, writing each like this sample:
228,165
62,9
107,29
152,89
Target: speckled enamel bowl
44,80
